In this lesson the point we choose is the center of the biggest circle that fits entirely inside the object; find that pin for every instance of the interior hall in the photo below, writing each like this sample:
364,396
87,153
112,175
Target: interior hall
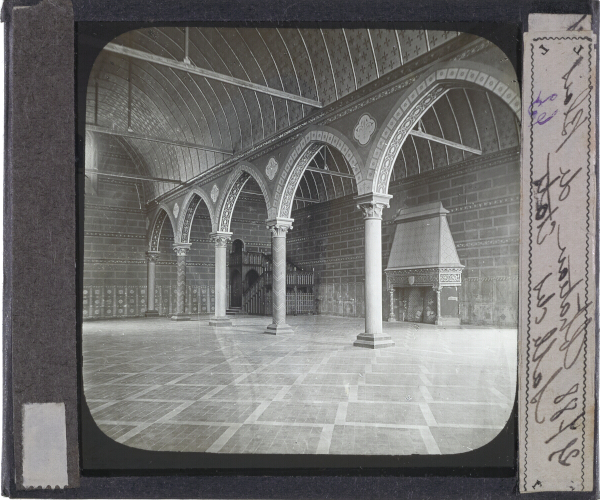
301,240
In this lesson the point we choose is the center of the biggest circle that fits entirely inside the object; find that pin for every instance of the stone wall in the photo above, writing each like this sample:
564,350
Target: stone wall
115,269
482,195
114,225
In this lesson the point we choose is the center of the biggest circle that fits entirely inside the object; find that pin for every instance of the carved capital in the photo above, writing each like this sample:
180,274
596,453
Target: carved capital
372,204
152,256
181,249
279,226
372,210
220,238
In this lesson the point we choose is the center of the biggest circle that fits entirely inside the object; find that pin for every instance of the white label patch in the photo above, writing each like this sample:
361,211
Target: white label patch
44,445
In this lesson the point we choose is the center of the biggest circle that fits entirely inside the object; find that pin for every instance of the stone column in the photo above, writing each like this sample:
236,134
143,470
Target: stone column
151,257
279,228
181,249
372,206
220,318
438,299
392,316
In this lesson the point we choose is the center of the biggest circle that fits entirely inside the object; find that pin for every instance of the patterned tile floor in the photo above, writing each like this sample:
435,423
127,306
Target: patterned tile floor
157,384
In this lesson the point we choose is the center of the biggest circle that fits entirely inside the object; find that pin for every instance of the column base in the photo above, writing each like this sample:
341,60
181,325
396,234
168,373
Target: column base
219,321
181,317
441,321
152,314
392,319
373,341
274,329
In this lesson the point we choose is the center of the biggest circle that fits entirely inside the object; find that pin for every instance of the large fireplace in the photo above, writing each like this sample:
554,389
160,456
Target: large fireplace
423,273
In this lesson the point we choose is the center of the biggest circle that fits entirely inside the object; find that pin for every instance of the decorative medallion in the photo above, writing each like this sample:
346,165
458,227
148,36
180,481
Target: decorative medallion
364,129
176,210
214,193
271,169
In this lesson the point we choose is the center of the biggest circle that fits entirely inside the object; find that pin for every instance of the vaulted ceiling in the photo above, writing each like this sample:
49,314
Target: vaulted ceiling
176,124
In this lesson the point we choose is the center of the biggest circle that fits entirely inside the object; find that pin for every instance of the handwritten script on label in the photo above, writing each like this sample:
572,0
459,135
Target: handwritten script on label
557,309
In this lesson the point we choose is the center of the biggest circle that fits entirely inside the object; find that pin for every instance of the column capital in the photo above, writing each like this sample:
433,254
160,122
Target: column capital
181,249
220,238
372,204
279,226
152,255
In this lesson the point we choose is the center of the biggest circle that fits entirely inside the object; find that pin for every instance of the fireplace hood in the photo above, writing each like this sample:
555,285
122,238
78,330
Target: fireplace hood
423,251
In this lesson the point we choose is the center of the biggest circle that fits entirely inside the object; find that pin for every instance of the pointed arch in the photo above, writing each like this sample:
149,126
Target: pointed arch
234,185
301,155
418,98
157,224
189,206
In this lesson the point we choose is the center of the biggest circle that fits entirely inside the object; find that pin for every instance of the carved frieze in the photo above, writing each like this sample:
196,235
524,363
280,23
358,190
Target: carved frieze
433,276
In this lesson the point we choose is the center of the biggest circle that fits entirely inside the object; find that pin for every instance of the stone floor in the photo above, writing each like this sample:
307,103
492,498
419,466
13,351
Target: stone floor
157,384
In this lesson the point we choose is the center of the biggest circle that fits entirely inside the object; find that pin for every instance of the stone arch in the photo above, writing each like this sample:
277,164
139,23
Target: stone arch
189,206
300,156
157,225
418,98
234,185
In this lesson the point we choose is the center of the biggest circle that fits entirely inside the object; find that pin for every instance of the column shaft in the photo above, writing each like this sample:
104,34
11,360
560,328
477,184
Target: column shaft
372,206
279,229
438,300
152,257
373,283
181,249
220,318
392,316
151,282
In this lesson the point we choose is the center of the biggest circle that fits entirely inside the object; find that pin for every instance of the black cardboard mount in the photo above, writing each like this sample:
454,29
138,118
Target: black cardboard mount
41,321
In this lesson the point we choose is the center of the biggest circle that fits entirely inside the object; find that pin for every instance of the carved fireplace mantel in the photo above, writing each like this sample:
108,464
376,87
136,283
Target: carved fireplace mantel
424,255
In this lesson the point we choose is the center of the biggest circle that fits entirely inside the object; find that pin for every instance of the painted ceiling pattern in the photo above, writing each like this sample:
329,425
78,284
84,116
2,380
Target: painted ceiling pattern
127,94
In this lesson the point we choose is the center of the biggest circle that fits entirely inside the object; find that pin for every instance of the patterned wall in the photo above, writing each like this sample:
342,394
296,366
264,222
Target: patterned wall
482,195
107,302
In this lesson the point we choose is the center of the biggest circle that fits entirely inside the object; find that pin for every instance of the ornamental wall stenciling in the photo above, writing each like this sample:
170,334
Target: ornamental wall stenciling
175,210
364,129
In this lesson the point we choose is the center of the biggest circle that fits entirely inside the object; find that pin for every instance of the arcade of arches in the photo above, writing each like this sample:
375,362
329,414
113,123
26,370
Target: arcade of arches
283,176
